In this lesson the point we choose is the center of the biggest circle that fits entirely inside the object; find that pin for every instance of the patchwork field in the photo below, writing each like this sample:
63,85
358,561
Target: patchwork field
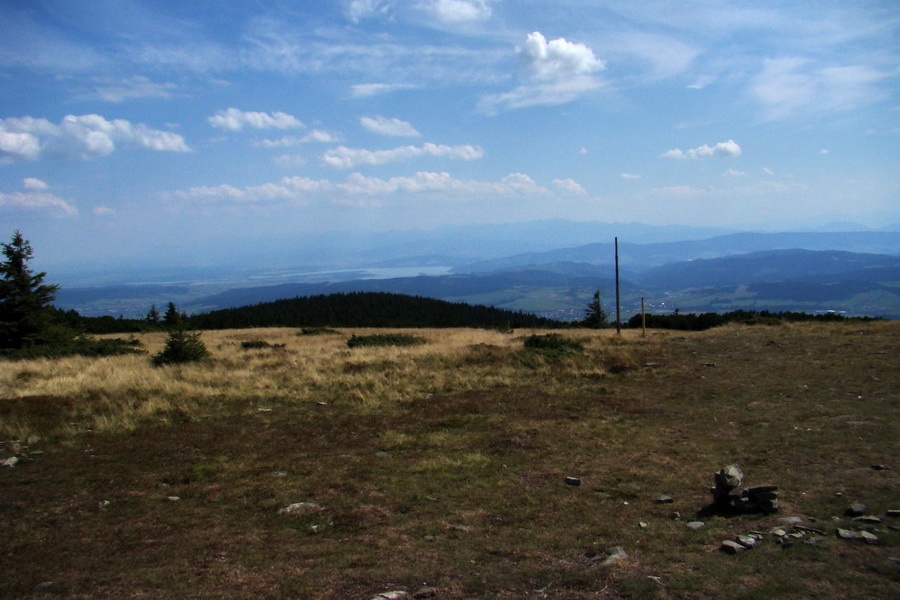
310,470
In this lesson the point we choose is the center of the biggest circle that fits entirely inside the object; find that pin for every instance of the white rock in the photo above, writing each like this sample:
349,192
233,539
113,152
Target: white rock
299,507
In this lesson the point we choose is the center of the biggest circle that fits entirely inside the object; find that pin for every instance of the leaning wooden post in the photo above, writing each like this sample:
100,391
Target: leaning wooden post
618,317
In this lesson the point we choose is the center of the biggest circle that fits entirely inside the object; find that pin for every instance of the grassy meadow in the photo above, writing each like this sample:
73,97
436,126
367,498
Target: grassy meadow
443,465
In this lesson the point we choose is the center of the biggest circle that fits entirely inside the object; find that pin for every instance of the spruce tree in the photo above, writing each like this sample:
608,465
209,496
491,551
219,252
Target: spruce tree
594,315
26,316
172,317
152,315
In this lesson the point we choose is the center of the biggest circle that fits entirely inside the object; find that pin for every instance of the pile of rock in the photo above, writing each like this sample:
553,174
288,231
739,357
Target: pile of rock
730,495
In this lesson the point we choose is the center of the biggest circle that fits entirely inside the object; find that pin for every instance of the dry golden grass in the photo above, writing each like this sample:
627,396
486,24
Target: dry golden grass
120,393
444,464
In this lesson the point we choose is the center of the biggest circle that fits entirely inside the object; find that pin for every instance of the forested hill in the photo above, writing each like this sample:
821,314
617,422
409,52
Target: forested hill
365,309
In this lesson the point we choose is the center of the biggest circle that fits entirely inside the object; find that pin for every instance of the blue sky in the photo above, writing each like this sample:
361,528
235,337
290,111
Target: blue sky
130,126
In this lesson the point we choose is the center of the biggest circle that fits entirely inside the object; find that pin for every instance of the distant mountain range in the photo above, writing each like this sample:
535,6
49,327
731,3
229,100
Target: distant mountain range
852,272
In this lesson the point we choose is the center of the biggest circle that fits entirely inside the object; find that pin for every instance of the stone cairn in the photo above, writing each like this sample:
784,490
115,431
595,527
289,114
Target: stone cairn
730,495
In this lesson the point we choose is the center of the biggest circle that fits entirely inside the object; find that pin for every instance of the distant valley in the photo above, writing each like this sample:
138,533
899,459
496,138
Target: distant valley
848,272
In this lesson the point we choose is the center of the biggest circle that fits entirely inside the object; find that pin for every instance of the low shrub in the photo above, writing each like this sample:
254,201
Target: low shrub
385,339
553,342
182,346
80,346
317,331
258,344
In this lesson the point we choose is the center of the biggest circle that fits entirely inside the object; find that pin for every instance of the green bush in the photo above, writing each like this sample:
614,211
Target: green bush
385,339
182,346
553,342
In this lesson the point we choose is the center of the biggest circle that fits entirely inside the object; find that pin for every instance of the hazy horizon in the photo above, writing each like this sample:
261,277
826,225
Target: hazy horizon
141,130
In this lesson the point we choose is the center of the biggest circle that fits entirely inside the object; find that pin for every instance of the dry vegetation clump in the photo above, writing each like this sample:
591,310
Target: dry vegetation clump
444,464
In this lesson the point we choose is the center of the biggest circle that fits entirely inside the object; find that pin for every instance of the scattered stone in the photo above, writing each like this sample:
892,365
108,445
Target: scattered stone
613,555
695,525
653,365
675,516
857,509
710,365
810,530
103,504
730,495
173,498
643,525
383,454
33,439
815,541
868,519
263,410
791,520
893,513
299,507
10,462
665,500
656,580
425,592
747,541
869,538
730,547
44,585
278,473
394,595
573,481
880,467
848,534
778,532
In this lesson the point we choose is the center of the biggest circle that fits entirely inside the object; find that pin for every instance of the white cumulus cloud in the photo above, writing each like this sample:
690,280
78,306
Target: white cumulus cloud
630,176
727,149
82,136
557,58
346,158
559,71
392,127
569,186
233,119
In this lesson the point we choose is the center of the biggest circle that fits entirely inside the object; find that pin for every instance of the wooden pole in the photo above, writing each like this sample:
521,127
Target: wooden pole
643,318
618,303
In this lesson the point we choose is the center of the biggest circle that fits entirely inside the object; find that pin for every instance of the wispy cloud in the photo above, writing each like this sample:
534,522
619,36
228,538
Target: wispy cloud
132,89
631,176
299,189
36,198
787,87
391,127
727,149
233,119
458,11
347,158
81,136
365,90
314,135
